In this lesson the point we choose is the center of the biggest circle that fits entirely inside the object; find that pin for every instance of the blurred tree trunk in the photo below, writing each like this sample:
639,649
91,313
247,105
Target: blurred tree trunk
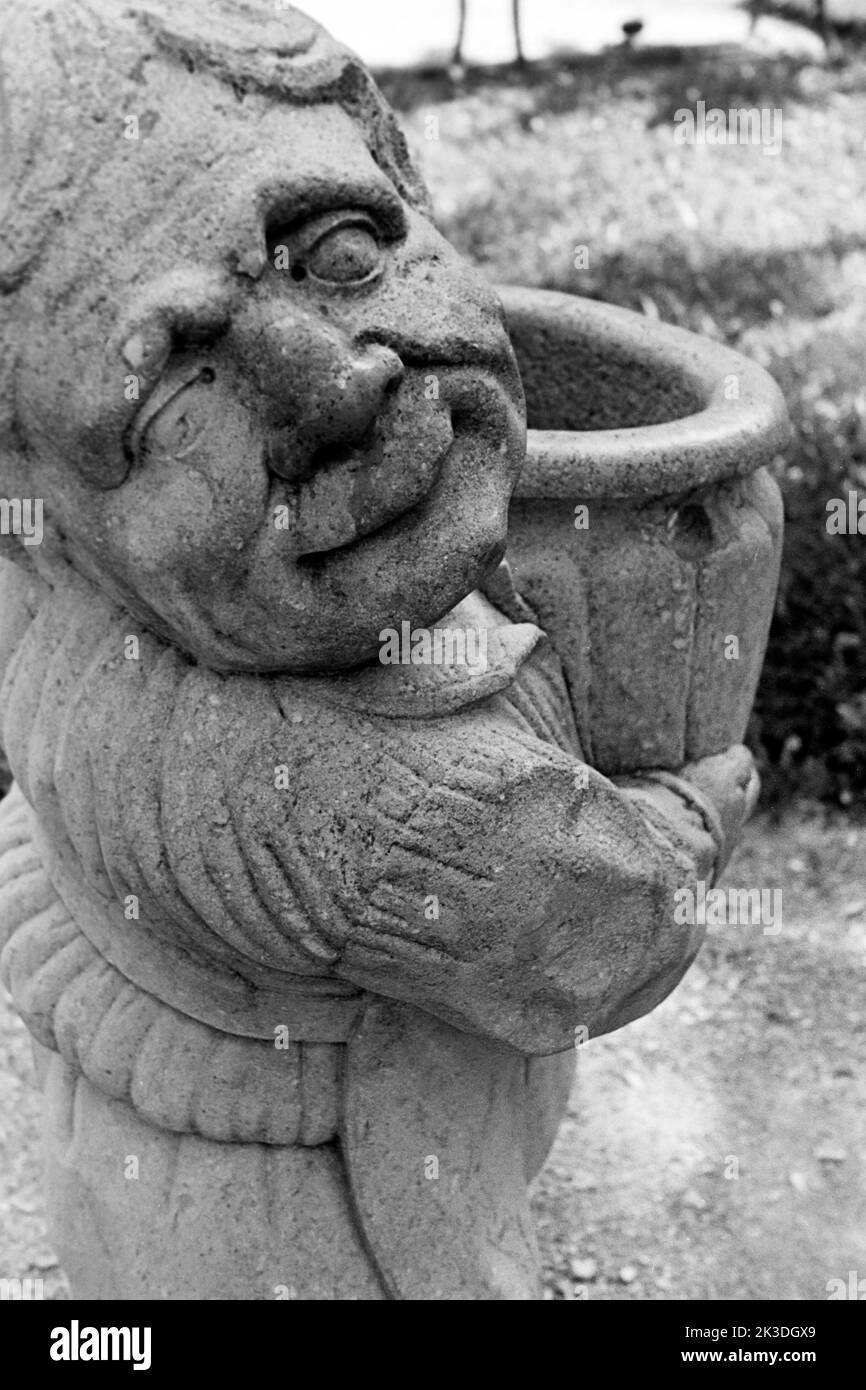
457,56
518,42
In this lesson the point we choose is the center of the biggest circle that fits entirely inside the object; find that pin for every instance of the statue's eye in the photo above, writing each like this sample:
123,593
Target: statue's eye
345,254
339,249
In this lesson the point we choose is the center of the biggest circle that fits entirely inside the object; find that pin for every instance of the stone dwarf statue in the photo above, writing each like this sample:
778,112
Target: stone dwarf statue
303,939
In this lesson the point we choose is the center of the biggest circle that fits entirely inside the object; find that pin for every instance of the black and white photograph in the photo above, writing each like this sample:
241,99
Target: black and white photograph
433,668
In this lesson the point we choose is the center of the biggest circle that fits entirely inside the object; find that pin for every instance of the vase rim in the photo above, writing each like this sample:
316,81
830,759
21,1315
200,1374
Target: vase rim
722,439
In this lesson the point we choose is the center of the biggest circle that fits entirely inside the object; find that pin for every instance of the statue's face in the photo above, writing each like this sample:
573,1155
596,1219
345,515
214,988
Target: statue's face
330,418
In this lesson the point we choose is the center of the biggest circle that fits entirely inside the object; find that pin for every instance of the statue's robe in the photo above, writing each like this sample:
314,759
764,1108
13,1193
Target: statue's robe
312,950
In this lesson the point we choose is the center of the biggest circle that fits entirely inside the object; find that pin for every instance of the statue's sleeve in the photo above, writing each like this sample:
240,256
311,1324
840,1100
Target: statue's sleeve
479,871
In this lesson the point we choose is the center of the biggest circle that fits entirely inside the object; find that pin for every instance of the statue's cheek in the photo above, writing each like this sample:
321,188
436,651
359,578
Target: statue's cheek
197,491
204,443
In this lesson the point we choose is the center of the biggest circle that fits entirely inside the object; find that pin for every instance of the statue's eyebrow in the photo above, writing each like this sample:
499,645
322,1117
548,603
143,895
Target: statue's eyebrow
282,203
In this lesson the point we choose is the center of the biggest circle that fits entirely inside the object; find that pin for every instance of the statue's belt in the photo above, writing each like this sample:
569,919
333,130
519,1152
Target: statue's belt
278,1084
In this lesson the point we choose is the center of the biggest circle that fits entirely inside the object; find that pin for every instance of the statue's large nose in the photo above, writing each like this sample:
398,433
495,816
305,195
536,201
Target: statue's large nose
335,411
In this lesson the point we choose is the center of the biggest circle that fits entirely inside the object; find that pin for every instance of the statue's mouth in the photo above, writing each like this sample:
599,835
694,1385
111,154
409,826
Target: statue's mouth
314,560
354,491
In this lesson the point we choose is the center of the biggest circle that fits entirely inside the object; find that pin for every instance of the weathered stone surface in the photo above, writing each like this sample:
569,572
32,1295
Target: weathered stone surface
434,1135
736,585
287,920
138,1213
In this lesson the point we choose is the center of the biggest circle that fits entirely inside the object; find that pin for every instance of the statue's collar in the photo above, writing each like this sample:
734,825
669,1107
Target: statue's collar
424,673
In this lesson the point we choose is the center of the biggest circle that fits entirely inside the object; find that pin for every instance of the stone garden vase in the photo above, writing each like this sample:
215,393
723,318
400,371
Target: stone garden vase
646,495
